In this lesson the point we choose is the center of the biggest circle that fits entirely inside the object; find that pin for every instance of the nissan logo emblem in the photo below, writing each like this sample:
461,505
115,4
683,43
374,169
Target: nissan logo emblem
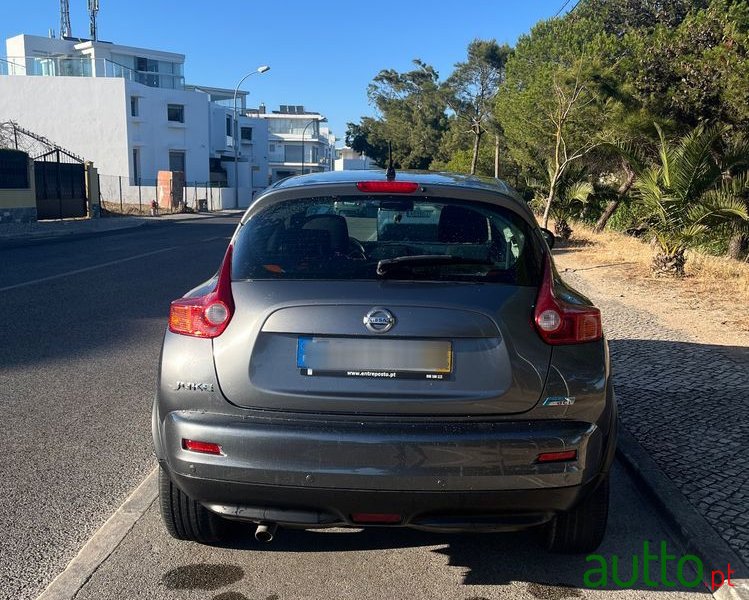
379,320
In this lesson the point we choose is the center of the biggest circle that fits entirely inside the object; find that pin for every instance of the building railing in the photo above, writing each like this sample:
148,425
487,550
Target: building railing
83,66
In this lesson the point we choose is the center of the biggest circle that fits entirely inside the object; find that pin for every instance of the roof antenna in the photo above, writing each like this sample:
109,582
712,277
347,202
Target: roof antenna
390,173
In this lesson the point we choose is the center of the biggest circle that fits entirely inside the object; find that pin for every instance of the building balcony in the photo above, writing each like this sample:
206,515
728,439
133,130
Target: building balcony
83,66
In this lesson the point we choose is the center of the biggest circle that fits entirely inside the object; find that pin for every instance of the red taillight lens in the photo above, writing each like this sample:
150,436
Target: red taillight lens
205,316
201,447
559,322
565,455
387,187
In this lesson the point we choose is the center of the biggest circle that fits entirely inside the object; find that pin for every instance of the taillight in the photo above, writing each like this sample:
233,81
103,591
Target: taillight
205,316
559,322
387,187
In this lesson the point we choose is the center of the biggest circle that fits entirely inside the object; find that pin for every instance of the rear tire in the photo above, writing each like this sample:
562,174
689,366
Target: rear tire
186,519
581,529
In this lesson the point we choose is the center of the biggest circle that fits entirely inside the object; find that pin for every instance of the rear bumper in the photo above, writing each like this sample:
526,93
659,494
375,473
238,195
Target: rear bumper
308,507
435,475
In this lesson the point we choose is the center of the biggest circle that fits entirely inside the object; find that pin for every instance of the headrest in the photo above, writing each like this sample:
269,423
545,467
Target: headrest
306,243
335,225
460,225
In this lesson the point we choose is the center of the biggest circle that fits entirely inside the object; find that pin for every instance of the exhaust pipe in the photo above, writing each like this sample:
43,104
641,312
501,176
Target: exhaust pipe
265,532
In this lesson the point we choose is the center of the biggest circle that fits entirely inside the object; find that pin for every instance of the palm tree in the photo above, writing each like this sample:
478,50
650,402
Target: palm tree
687,194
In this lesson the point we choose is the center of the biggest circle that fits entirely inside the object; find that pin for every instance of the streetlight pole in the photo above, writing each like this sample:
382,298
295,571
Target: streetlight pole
235,136
303,132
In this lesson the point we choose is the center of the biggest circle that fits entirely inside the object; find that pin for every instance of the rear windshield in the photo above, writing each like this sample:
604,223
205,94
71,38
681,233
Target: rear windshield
383,237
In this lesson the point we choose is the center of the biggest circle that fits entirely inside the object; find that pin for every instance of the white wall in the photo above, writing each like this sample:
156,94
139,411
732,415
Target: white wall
84,115
35,45
91,117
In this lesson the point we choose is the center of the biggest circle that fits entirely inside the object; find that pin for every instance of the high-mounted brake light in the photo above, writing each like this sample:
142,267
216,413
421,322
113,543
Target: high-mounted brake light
205,316
559,322
387,187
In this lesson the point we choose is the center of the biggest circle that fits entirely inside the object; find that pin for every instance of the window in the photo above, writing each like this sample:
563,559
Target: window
228,126
292,153
271,147
134,106
309,128
136,166
177,160
175,113
246,134
357,237
146,66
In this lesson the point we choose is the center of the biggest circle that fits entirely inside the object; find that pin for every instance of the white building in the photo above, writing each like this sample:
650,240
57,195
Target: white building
348,159
299,141
128,110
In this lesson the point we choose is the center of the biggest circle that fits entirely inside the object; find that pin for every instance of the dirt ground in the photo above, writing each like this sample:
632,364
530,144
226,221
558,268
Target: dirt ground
711,303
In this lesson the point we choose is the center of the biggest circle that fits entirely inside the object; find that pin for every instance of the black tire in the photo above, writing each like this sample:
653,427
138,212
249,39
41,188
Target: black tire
581,529
186,519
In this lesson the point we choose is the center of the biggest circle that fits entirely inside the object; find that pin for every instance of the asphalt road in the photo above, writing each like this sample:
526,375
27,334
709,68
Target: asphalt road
78,359
79,343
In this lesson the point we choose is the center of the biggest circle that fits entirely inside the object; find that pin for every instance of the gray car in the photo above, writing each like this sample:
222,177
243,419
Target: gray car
393,352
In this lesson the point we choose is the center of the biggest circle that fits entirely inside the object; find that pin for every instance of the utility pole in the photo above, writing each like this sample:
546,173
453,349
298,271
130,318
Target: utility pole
65,19
93,8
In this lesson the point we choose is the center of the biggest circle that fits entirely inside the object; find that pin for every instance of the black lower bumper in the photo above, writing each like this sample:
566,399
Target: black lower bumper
505,510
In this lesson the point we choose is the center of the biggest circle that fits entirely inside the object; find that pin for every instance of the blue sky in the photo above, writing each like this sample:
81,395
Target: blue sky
322,55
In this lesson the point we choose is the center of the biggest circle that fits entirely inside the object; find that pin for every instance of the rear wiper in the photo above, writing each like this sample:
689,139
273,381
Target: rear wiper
426,260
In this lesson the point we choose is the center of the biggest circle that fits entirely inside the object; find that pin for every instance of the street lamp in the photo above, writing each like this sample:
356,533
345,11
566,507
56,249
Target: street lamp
303,132
261,69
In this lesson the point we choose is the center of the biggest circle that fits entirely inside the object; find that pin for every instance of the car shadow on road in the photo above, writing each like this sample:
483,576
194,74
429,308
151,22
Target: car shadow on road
503,559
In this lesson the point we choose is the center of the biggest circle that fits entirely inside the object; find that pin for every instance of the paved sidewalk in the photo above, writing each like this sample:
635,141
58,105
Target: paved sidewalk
686,403
12,233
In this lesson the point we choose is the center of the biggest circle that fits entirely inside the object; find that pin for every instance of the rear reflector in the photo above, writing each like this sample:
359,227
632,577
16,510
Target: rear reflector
387,187
375,518
548,457
201,447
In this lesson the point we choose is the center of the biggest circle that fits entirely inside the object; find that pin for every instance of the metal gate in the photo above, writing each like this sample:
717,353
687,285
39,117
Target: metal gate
60,185
60,175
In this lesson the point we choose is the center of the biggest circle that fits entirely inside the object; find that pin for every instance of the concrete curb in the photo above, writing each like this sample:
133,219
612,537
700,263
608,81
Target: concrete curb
106,539
690,528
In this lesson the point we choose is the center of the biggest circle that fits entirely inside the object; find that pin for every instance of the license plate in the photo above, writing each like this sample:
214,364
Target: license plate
375,359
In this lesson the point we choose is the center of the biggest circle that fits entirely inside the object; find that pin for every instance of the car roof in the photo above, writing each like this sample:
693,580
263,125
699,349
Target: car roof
488,184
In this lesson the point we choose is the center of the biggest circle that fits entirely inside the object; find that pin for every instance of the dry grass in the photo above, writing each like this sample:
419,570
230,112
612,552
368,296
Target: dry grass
716,285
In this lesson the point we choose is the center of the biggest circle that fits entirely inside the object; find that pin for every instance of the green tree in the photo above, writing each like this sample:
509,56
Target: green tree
620,17
411,115
555,103
471,88
687,195
696,72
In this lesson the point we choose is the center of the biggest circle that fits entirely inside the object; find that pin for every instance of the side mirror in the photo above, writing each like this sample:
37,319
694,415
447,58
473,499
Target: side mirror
549,237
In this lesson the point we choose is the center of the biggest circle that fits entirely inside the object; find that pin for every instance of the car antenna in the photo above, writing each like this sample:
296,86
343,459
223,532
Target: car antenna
390,173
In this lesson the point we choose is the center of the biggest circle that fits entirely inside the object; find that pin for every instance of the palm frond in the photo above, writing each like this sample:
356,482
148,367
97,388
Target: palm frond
694,169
